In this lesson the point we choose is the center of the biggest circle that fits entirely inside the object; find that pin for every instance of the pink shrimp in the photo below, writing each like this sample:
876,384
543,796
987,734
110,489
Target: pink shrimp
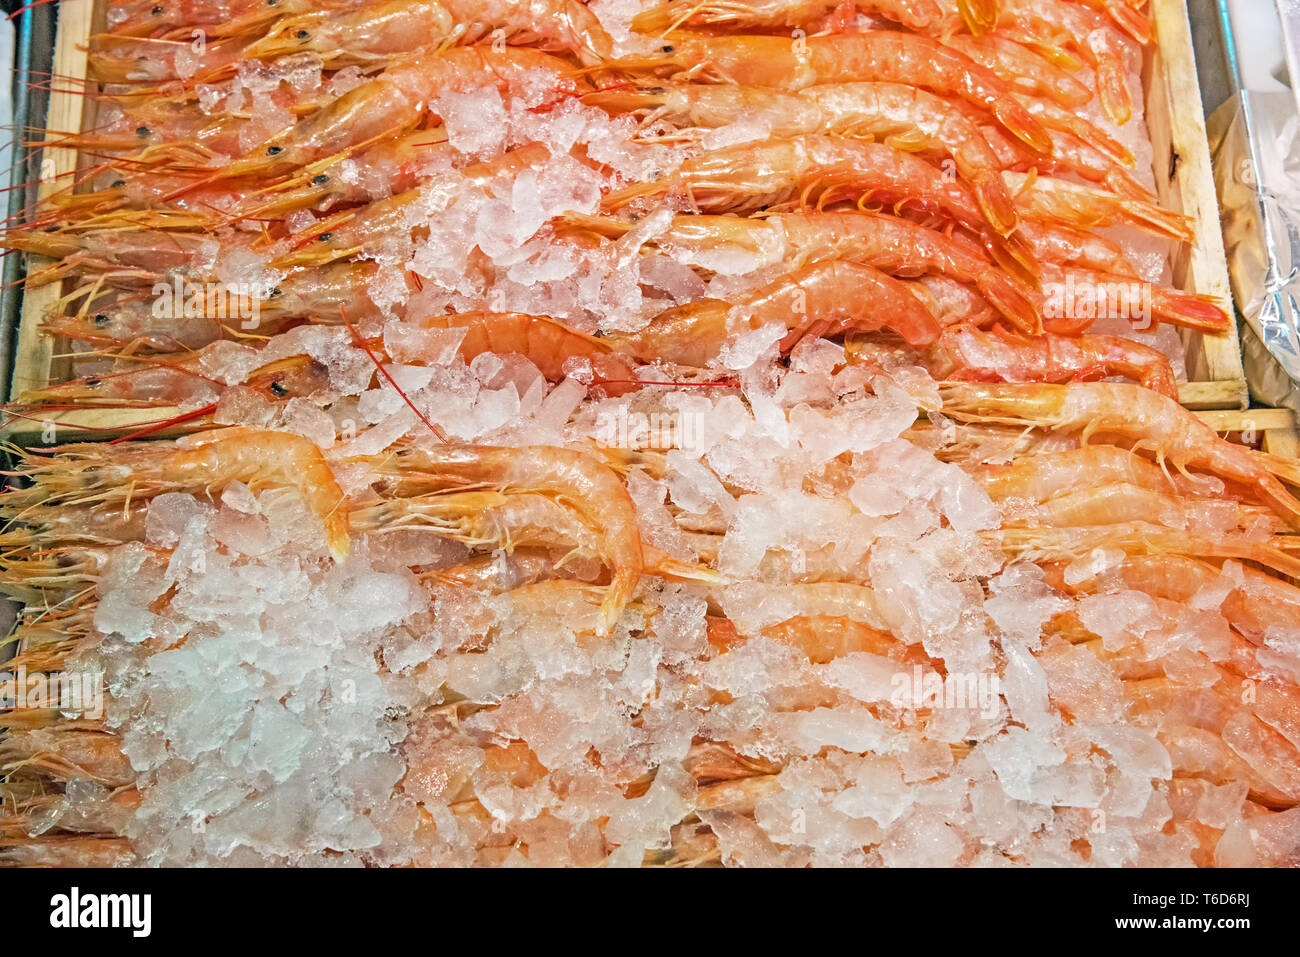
879,56
890,244
1002,356
902,116
813,169
377,32
578,481
1154,422
765,14
821,299
550,345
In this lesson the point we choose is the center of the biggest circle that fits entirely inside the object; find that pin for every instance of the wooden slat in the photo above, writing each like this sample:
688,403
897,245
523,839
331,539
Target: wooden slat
1250,420
1185,182
35,352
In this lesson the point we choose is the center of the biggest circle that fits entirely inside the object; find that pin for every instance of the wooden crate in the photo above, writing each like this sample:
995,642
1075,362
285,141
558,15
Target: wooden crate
1183,176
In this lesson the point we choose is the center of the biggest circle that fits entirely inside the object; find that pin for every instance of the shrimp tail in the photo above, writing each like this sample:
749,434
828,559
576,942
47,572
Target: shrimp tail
980,16
1024,125
1008,298
1013,254
665,566
1189,310
1131,20
996,204
1113,92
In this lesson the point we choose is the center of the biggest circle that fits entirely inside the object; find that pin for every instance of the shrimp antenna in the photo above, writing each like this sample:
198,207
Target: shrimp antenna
442,436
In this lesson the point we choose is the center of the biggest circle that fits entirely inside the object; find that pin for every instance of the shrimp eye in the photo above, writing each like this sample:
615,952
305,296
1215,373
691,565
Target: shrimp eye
118,183
92,383
320,180
274,150
303,34
273,293
657,90
157,11
600,333
143,131
325,237
101,320
279,389
667,48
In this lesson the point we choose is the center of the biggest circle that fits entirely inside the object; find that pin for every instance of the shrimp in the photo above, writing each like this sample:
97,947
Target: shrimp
1074,298
1021,68
66,753
91,472
1156,423
550,345
822,299
379,31
1072,247
386,223
815,169
1037,478
1066,543
902,116
312,294
891,245
68,852
180,382
395,102
823,638
1002,356
877,55
1065,203
1051,23
216,17
1121,502
578,481
117,59
764,14
1259,606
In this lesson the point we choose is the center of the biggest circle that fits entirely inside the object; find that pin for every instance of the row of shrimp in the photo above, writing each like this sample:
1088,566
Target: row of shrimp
920,181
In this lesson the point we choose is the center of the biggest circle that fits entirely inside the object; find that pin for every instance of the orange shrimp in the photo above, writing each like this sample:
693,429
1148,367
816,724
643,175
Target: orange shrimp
1065,203
129,320
1056,542
377,32
890,244
548,344
396,102
386,222
1003,356
822,299
763,14
116,474
1021,68
902,116
1074,298
1052,23
1066,246
1037,478
877,55
1122,502
815,169
1156,423
580,482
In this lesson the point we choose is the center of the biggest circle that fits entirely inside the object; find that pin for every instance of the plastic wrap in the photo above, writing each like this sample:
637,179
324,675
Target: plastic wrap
1255,141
